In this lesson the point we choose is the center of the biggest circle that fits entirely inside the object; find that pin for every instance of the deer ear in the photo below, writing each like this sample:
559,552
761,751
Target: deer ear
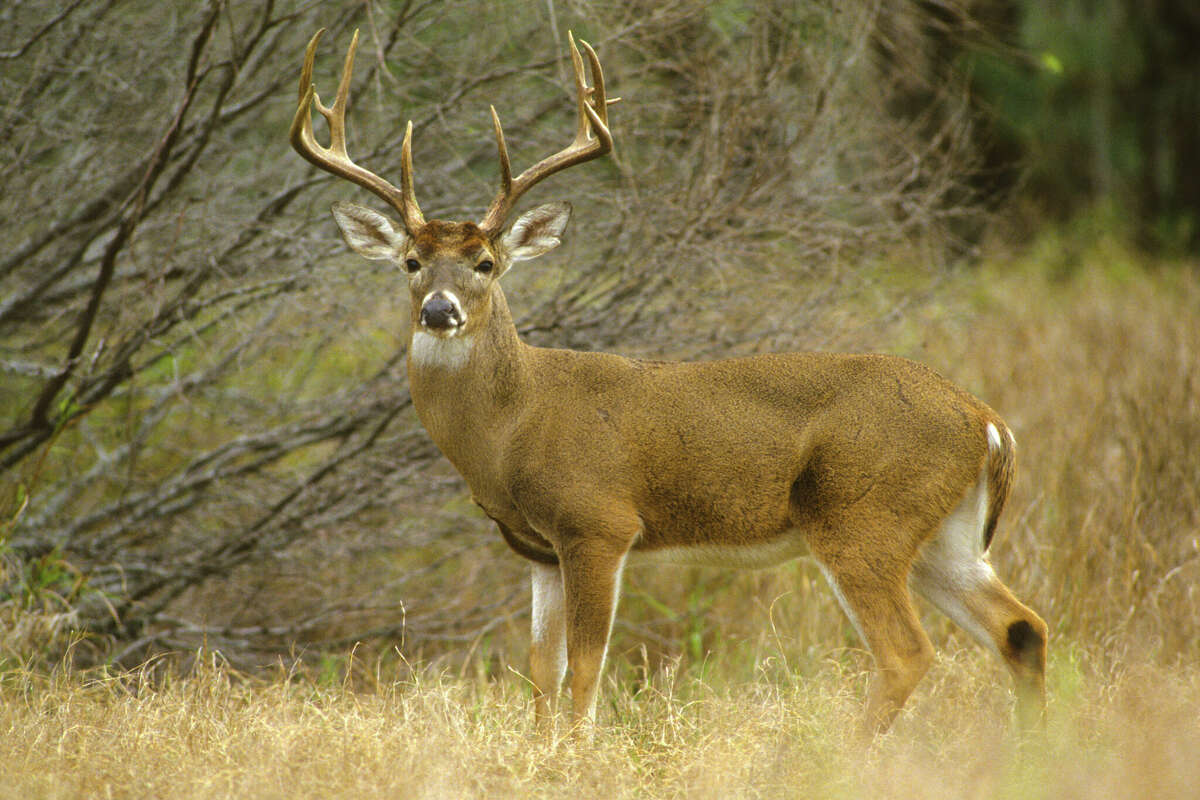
537,231
369,233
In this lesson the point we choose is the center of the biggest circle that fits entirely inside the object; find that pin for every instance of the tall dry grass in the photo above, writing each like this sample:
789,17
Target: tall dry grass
215,734
1098,373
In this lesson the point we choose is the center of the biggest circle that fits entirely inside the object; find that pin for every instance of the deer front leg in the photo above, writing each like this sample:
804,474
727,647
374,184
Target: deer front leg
548,644
591,582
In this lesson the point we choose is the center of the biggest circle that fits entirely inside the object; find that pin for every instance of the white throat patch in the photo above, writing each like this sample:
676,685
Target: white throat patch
428,350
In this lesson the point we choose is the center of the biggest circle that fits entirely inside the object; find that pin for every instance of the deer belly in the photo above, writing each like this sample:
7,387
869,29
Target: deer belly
747,555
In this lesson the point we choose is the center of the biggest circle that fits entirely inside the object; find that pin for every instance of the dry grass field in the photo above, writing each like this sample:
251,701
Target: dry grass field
1131,732
1095,367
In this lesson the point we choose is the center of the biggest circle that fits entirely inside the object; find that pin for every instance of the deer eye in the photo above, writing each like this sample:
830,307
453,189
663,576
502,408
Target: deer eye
484,267
412,265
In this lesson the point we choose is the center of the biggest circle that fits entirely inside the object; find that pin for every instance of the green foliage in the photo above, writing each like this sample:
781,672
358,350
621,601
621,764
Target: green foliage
331,670
47,579
1100,103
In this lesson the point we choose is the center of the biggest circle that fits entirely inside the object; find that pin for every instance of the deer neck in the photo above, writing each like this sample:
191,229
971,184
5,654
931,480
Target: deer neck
464,388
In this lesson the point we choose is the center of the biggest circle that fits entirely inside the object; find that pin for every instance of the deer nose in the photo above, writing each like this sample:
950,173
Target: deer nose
440,312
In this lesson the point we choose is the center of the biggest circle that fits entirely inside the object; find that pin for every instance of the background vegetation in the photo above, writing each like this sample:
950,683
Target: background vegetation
210,472
207,435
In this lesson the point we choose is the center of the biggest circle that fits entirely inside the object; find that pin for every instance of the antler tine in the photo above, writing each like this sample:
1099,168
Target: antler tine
411,211
599,102
334,159
505,167
592,140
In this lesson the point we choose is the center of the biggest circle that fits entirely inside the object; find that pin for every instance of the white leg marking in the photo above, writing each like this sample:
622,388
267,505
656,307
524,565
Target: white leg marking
612,615
952,564
841,598
549,624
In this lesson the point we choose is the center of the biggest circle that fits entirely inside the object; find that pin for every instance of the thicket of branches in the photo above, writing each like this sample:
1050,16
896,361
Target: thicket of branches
205,432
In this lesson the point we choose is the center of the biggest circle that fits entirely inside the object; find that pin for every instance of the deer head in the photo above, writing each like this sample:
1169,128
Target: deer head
453,267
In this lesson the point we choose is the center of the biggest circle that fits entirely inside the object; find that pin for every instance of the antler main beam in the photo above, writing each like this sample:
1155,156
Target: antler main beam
334,158
592,140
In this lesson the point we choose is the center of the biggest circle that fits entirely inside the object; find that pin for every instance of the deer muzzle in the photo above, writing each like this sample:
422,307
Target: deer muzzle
441,313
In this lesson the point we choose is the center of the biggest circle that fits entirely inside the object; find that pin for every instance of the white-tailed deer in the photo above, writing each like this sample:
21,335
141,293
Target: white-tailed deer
887,474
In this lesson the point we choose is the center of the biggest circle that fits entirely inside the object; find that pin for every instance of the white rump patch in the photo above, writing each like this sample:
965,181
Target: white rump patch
447,352
953,564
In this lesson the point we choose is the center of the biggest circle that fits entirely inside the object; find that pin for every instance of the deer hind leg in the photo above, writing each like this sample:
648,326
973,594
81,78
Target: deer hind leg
875,597
548,643
953,573
976,600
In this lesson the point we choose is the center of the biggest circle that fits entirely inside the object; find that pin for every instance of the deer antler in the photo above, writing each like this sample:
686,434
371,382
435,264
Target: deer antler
334,158
592,140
